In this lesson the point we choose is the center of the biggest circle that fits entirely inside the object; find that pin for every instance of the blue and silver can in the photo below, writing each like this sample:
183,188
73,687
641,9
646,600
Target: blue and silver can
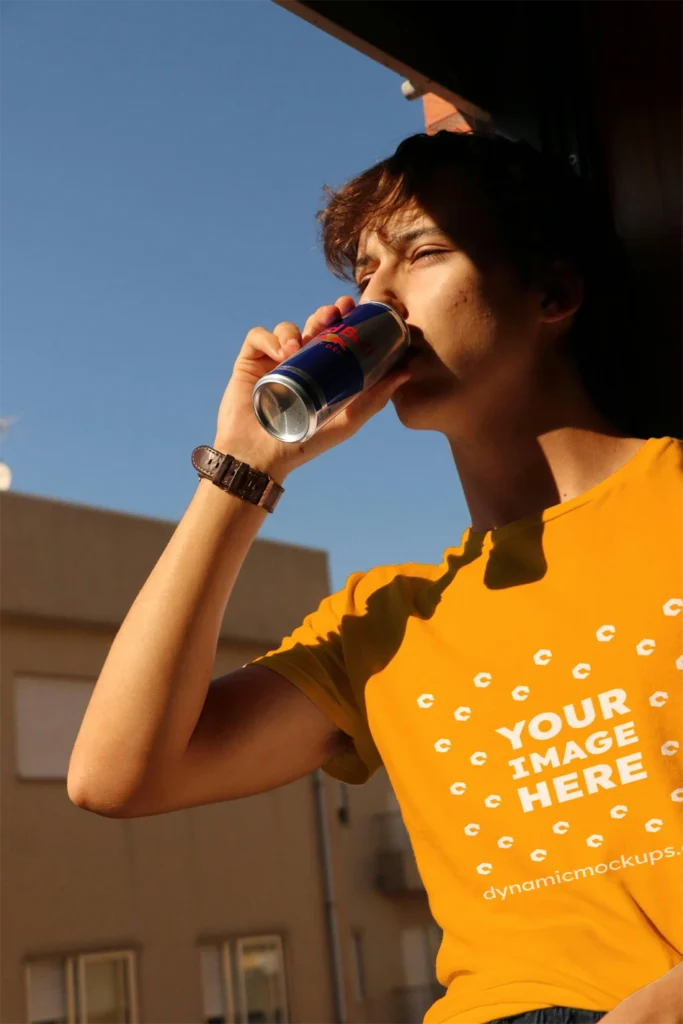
330,371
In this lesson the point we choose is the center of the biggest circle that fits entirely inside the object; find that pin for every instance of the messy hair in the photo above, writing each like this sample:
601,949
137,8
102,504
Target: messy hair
541,211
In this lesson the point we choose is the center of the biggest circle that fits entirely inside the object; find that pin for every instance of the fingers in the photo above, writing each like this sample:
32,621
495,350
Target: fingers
325,316
370,402
286,338
289,338
345,304
363,408
277,344
260,342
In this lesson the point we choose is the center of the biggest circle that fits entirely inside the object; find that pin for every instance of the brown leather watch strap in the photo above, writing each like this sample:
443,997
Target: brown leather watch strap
237,478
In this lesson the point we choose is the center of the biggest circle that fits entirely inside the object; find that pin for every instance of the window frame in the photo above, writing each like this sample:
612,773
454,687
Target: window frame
239,943
236,1009
73,967
223,947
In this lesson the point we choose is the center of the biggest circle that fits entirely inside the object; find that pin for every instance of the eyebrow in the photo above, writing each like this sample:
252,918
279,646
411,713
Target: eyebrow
402,240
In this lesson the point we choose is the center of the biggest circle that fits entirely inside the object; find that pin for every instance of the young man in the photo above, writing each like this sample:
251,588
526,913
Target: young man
525,694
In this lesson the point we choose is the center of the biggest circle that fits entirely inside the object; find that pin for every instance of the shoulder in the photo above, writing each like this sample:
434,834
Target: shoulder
387,585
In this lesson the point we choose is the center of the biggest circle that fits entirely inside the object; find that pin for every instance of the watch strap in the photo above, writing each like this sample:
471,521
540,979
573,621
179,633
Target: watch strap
238,478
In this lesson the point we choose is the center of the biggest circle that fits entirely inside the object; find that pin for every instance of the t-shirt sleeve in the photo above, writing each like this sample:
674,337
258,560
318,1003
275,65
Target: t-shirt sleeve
314,659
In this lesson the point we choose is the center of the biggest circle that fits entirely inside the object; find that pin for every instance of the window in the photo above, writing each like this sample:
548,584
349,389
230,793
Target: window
216,984
357,966
262,980
47,993
258,995
93,988
47,714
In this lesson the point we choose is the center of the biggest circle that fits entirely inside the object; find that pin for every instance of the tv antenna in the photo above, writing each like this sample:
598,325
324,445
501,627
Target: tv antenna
5,472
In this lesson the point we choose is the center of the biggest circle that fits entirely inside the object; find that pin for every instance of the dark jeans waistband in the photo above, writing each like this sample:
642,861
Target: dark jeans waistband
553,1015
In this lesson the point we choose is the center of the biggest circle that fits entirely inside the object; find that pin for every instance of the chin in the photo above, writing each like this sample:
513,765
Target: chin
424,405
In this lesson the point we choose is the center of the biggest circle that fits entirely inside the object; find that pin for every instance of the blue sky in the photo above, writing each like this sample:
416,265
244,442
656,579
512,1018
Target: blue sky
162,166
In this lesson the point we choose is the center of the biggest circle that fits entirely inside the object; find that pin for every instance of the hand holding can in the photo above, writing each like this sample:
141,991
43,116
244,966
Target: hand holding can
315,384
238,431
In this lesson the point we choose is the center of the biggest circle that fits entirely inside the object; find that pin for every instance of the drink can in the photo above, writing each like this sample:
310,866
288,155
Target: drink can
330,371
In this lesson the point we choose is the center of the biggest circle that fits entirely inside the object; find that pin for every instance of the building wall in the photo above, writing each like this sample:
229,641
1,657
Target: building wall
75,881
382,919
86,565
162,886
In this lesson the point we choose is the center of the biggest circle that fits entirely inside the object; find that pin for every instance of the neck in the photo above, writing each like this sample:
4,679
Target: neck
547,446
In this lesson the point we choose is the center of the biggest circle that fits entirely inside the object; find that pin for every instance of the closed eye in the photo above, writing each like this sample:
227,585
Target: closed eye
429,252
433,254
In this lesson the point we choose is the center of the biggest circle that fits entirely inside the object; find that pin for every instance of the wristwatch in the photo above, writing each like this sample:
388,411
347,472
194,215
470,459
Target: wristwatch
237,478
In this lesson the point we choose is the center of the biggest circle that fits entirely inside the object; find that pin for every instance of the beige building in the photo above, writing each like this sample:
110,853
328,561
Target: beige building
302,904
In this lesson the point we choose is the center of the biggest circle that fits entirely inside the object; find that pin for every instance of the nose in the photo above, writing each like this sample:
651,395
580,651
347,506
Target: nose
379,291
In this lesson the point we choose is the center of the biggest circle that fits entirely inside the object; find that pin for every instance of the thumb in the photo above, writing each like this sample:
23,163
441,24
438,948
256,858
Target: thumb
371,401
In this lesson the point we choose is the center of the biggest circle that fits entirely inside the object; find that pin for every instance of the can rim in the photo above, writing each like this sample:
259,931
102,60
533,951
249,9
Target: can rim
299,391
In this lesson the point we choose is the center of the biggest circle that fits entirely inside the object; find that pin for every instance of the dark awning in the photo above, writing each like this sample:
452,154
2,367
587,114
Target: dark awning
483,57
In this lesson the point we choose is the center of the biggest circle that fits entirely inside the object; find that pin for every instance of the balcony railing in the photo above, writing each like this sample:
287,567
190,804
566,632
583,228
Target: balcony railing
394,863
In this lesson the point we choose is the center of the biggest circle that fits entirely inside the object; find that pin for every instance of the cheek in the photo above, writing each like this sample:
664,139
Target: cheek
468,324
508,303
483,315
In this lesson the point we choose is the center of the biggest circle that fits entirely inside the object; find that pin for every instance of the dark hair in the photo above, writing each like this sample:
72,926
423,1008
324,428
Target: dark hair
541,212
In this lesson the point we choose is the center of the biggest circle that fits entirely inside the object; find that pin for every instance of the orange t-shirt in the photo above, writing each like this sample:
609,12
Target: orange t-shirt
525,698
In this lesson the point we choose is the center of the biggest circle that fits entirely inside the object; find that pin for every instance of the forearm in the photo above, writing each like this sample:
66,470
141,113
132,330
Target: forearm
660,1002
154,682
153,687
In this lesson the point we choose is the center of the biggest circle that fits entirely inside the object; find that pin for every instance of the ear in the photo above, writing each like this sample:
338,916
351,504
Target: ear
562,292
